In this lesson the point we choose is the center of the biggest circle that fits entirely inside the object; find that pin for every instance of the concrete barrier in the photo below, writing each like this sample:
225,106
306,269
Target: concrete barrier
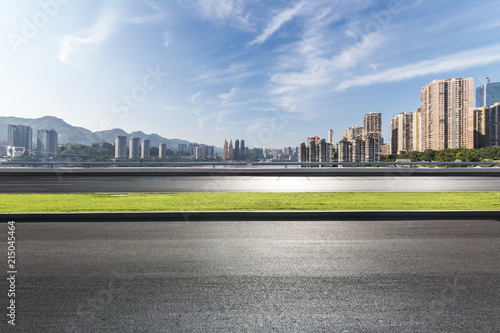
182,171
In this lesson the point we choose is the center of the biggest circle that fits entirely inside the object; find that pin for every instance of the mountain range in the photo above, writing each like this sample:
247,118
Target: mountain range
80,134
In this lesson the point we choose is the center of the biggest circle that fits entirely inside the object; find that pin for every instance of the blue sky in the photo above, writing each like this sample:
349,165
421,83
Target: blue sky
269,72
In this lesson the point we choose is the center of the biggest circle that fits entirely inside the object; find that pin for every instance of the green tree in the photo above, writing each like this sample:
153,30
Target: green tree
389,158
468,155
83,153
490,153
446,155
154,151
415,156
428,155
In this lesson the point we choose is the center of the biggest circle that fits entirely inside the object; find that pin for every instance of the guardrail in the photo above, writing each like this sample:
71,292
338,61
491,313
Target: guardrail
239,164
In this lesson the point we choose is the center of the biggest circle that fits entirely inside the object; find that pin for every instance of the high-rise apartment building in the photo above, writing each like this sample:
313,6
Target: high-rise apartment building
47,143
373,126
488,94
312,151
386,149
312,138
487,126
446,115
20,136
145,149
330,137
121,147
134,148
344,150
402,133
362,144
191,148
353,132
302,153
162,151
415,131
203,151
211,152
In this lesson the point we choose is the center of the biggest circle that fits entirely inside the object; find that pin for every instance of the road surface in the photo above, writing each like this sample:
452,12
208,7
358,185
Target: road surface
88,183
274,276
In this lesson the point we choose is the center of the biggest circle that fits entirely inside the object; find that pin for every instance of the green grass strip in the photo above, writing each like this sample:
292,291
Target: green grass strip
149,202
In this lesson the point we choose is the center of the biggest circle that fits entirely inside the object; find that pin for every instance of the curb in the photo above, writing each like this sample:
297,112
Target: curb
253,216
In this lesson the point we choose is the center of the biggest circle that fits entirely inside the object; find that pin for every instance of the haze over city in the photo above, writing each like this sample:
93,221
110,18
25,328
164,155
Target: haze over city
272,73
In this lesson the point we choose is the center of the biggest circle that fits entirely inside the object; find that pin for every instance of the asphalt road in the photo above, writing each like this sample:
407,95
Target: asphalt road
372,276
71,183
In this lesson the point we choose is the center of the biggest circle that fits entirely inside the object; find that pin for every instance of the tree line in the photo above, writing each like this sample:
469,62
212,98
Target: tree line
448,155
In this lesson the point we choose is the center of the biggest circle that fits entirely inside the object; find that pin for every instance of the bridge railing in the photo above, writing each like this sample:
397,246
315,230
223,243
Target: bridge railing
243,164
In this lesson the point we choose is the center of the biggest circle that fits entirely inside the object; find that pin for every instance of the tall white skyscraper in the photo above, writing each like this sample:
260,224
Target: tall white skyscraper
330,136
121,147
134,148
145,147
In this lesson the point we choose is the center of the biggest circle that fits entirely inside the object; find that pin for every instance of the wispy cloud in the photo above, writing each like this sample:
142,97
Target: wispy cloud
231,11
317,69
277,22
257,125
72,46
202,118
232,73
458,61
225,97
195,98
141,12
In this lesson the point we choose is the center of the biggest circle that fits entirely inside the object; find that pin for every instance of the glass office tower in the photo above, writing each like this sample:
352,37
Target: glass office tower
488,94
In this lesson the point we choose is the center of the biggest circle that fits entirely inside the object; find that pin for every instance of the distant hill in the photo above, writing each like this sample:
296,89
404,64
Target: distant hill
75,134
80,134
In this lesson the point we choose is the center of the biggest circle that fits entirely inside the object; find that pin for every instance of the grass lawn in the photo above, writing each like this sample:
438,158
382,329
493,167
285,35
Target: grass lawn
144,202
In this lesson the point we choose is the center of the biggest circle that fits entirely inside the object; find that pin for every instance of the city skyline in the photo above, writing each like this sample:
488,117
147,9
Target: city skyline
203,71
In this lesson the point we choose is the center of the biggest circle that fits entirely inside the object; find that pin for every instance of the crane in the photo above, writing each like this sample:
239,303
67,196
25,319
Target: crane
489,79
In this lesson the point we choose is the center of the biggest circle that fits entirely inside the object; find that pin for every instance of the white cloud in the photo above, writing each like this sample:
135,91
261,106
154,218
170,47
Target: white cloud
257,125
454,62
142,12
224,11
232,73
225,97
307,71
73,46
220,8
70,46
202,118
277,22
318,70
195,98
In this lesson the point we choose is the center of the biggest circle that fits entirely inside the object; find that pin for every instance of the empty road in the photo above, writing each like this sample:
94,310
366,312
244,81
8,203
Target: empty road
68,183
274,276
